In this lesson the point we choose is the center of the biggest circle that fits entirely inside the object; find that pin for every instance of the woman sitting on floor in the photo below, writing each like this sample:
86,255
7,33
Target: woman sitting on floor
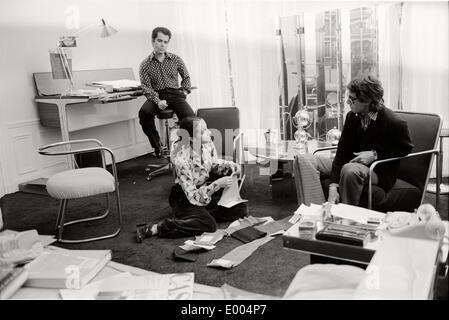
194,202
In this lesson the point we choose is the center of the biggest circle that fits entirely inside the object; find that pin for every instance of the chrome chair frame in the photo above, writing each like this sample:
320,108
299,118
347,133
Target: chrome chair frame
434,151
60,224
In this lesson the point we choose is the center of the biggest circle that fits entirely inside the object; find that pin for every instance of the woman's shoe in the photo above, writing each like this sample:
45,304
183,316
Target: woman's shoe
143,231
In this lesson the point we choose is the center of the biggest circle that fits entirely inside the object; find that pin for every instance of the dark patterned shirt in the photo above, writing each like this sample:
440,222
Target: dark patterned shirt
156,75
365,120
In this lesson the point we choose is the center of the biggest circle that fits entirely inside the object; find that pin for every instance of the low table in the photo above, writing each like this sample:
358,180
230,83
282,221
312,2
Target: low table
327,249
340,251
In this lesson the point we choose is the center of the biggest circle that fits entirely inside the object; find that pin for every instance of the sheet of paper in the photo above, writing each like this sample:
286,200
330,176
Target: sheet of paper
314,211
231,195
190,245
118,84
357,214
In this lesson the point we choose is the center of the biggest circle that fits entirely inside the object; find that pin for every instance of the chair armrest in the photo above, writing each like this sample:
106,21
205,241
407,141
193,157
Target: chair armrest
42,150
325,149
239,139
375,163
47,150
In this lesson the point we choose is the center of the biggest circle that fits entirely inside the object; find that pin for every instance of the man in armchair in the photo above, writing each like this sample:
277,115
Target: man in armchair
371,131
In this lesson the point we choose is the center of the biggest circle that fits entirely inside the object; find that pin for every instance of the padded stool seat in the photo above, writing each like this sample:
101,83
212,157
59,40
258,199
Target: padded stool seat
80,183
165,114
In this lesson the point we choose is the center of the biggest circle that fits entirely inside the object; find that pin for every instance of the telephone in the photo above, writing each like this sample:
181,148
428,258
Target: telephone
424,223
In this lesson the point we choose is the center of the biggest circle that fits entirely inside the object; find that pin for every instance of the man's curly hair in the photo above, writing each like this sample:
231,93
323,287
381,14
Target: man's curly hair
368,89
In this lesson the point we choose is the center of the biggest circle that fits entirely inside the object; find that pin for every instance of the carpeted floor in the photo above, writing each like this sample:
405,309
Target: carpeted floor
269,270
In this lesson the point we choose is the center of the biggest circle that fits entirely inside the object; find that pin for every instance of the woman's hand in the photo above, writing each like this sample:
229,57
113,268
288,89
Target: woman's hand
224,182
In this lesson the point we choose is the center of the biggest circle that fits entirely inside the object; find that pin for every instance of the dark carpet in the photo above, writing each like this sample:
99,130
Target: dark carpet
269,270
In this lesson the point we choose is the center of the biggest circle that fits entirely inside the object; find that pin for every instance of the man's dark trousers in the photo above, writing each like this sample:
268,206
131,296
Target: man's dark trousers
176,101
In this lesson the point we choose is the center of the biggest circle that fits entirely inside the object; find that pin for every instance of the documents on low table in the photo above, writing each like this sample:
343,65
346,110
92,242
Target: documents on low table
349,217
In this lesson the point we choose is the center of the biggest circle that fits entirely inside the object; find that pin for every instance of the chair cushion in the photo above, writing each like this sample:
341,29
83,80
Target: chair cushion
79,183
165,114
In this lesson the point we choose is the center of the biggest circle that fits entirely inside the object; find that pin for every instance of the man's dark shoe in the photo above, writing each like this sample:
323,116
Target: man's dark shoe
143,231
158,153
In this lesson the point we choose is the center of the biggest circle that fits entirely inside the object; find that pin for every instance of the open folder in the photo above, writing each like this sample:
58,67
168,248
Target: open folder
231,195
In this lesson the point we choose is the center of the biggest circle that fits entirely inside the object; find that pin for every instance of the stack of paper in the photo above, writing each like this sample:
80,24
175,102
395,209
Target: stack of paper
118,85
66,269
358,214
175,286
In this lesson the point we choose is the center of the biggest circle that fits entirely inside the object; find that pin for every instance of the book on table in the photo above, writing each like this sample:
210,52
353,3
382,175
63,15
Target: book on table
11,279
66,269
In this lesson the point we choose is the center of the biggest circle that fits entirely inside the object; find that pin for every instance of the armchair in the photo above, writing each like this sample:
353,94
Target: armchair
408,192
224,123
82,182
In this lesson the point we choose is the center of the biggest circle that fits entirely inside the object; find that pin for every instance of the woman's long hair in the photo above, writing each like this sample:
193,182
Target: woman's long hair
186,131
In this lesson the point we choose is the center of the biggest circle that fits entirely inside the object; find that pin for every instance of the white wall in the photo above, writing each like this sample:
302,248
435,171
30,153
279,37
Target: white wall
28,29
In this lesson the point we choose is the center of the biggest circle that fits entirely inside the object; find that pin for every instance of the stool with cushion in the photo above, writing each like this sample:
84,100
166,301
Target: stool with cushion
163,115
81,183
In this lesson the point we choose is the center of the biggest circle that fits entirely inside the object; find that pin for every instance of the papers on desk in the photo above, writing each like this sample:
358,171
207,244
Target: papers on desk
118,85
87,93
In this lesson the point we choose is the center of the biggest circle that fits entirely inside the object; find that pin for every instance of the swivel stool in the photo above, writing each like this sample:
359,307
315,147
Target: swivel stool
164,116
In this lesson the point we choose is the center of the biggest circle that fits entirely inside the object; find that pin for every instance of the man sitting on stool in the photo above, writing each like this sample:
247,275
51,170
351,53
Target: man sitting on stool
159,78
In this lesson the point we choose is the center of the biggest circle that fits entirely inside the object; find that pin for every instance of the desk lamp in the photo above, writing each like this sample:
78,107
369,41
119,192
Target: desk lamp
70,42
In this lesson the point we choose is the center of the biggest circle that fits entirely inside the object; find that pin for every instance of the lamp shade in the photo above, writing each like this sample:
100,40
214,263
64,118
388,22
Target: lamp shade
107,30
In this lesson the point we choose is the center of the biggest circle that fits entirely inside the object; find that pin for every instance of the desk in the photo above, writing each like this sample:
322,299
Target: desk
71,114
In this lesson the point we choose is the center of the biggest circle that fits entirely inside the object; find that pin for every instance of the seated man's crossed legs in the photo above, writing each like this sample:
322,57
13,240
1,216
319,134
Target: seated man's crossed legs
310,169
